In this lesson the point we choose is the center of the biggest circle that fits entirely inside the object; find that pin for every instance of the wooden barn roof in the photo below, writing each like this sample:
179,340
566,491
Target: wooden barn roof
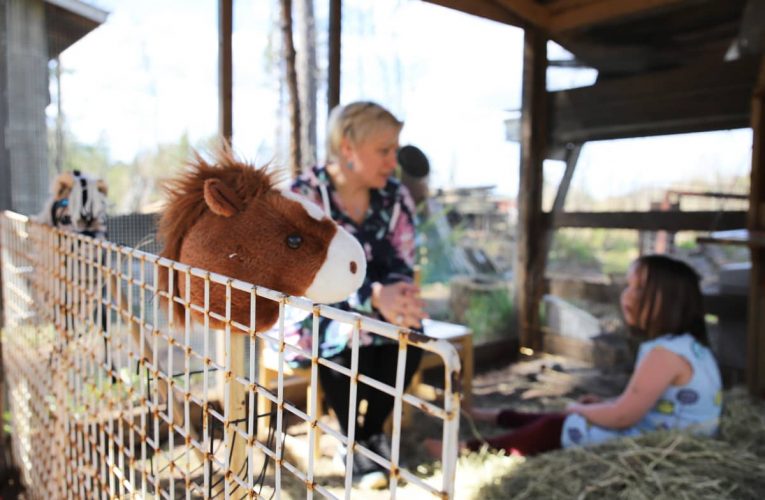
620,37
664,66
66,21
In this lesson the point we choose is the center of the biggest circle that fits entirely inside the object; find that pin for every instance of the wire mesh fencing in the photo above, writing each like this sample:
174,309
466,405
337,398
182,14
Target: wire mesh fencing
113,397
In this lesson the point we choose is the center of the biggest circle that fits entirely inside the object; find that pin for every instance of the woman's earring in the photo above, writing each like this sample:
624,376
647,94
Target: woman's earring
349,165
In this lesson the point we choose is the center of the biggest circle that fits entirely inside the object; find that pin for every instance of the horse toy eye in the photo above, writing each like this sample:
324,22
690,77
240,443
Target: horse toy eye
294,241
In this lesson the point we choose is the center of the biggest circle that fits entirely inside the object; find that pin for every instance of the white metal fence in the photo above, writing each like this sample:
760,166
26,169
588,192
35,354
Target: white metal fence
108,401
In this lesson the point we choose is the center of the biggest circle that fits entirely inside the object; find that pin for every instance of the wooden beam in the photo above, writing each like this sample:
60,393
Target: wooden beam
572,158
628,59
751,38
532,13
225,69
652,221
530,264
756,222
486,10
701,97
659,39
577,15
335,41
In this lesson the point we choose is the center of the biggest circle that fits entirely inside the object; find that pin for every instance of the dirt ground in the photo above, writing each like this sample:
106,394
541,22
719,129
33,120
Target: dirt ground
543,383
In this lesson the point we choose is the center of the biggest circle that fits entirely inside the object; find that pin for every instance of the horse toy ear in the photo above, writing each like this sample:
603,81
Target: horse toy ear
221,199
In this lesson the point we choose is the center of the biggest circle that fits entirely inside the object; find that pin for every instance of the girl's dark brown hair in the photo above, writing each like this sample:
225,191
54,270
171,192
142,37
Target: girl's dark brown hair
671,299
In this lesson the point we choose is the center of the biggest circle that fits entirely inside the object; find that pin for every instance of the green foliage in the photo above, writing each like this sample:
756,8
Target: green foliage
603,250
570,249
490,315
134,185
92,158
434,252
732,253
686,245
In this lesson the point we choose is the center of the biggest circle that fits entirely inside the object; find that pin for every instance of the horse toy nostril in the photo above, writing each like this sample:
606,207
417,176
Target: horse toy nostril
354,267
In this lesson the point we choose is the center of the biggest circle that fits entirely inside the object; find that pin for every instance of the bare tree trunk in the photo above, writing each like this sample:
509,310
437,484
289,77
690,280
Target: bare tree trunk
288,49
306,71
333,68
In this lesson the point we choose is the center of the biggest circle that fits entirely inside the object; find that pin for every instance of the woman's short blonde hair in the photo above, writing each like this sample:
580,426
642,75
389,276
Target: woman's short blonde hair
356,121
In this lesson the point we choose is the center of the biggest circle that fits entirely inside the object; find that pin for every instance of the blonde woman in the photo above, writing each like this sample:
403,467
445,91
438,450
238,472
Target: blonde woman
358,189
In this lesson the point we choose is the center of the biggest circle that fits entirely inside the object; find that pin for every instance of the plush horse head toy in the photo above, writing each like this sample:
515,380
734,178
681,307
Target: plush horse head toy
229,218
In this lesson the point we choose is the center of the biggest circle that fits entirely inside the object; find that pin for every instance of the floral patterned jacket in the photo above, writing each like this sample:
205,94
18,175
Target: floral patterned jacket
387,235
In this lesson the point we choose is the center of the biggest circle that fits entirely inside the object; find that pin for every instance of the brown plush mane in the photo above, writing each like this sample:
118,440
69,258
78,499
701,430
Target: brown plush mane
185,195
230,218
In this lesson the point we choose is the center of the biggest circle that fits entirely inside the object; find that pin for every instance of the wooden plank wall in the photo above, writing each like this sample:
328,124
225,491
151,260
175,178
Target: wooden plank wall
714,95
653,220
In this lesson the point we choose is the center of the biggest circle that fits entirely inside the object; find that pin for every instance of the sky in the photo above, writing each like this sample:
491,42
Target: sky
149,75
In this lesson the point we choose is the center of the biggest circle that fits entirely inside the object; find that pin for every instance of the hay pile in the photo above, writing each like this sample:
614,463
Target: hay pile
659,465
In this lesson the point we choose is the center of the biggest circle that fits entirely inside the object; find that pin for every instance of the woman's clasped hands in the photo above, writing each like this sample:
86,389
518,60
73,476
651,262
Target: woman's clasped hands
399,303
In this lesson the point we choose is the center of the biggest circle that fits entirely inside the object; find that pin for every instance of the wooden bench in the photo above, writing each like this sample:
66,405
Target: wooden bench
459,335
462,338
268,376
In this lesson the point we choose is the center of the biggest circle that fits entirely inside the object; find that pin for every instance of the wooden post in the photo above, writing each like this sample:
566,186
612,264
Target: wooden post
5,160
238,406
756,223
230,349
225,69
530,233
335,36
572,158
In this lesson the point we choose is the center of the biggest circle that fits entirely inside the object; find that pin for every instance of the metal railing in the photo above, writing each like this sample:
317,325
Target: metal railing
109,400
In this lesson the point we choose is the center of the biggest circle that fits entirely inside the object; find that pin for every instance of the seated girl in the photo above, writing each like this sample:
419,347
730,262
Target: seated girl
676,383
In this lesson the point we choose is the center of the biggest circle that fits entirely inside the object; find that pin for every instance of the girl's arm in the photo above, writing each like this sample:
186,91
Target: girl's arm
656,372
